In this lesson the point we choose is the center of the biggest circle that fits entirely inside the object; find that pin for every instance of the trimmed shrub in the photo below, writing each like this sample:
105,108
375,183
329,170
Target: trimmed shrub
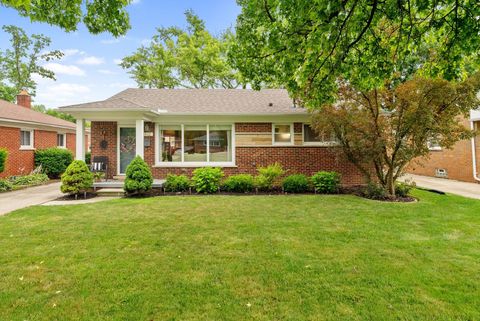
375,191
326,182
402,189
3,159
30,180
138,177
76,179
54,161
241,183
268,176
88,158
5,185
206,180
177,183
297,183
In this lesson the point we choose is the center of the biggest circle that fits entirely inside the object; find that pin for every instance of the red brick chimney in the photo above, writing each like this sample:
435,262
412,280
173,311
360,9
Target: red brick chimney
24,99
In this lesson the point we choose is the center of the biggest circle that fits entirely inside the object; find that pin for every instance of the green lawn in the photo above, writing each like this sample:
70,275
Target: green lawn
243,258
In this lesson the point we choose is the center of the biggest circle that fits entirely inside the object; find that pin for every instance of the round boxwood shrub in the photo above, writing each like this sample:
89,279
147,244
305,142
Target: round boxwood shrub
54,161
76,179
297,183
207,179
177,183
241,183
5,185
138,177
326,182
3,159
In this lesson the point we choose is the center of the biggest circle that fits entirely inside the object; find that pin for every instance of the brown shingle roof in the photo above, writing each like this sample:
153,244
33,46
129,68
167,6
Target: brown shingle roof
18,113
200,101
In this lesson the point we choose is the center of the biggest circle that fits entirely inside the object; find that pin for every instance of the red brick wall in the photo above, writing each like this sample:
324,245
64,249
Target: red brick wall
21,162
457,161
107,131
306,160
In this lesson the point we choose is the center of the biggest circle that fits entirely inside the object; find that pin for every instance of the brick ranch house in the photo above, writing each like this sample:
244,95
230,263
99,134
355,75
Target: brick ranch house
178,130
23,130
459,163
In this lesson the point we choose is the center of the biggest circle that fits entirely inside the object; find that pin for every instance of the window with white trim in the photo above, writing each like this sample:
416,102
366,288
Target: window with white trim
26,139
61,140
311,137
195,144
282,134
433,144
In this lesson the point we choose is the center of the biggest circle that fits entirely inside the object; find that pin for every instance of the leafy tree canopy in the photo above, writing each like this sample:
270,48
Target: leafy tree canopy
21,61
97,15
54,113
191,58
306,45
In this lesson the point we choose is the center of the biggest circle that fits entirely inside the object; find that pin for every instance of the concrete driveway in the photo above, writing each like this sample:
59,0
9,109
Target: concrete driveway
471,190
30,196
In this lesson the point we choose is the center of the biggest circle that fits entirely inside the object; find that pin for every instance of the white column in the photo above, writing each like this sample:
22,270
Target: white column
139,123
80,140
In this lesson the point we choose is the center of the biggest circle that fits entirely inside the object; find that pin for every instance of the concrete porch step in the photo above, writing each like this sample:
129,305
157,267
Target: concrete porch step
110,192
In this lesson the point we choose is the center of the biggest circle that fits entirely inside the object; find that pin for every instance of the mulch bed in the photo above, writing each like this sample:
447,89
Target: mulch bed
87,196
350,190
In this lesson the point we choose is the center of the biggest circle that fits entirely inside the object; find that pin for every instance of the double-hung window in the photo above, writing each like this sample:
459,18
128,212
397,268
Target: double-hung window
61,140
282,134
195,145
26,139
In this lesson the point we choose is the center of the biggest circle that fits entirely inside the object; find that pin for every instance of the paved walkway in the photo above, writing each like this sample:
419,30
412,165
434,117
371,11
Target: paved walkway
471,190
30,196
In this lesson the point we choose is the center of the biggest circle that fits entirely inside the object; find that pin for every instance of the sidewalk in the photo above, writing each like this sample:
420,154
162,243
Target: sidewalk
11,201
471,190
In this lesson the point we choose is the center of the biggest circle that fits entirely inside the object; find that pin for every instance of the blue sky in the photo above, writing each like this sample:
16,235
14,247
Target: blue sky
89,69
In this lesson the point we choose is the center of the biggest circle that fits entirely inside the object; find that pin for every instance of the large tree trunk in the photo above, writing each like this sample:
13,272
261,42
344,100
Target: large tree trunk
390,182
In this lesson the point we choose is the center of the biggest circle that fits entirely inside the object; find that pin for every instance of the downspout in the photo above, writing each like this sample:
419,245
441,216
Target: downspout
474,158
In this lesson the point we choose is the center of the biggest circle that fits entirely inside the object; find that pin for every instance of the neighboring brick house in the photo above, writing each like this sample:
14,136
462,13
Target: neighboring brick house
23,130
178,130
459,163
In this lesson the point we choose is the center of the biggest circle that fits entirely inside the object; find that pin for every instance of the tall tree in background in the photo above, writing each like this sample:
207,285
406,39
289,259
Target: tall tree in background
54,113
21,61
306,45
97,15
191,58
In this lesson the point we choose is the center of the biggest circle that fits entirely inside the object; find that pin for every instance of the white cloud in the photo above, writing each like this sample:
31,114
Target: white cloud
62,94
71,52
70,70
107,72
135,2
91,60
117,61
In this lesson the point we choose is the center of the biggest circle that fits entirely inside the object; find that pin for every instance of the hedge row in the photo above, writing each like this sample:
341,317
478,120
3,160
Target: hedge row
208,180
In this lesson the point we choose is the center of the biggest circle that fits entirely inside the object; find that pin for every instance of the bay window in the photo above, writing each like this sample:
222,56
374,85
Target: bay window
195,145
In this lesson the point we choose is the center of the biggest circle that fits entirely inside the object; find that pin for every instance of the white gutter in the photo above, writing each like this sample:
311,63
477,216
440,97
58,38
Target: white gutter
474,157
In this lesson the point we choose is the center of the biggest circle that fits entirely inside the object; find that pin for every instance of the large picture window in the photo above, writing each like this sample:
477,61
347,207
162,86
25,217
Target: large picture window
195,145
